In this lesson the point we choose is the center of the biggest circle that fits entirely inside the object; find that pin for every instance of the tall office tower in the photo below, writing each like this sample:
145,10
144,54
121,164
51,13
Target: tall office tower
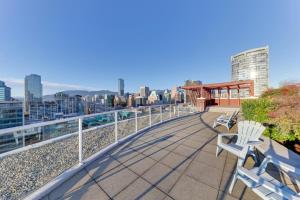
253,65
4,92
33,90
144,91
121,87
62,101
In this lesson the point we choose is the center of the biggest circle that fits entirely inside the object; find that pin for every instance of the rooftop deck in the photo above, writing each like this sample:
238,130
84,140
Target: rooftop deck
175,160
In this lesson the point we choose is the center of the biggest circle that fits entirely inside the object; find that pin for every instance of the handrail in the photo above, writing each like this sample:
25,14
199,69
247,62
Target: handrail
76,120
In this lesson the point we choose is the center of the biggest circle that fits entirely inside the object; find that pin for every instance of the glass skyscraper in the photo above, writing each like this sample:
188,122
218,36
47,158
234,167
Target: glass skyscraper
253,65
4,92
33,90
144,91
121,87
11,114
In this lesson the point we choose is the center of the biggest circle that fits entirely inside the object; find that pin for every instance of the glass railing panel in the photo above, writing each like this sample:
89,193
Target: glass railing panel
143,118
126,123
155,115
98,133
166,112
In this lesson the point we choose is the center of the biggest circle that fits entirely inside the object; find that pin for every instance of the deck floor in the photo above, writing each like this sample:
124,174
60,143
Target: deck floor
175,160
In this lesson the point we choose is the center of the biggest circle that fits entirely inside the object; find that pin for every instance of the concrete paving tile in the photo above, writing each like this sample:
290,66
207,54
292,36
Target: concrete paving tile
89,191
230,165
185,151
75,182
116,180
210,159
171,146
175,161
193,144
189,189
205,174
156,153
101,166
140,189
240,191
140,163
226,180
168,198
162,177
209,148
123,156
225,196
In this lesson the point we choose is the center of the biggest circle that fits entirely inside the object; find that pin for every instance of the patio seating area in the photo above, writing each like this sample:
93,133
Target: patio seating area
174,160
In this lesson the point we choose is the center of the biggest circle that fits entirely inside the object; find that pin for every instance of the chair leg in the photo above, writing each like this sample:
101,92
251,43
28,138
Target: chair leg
240,162
233,181
214,125
218,151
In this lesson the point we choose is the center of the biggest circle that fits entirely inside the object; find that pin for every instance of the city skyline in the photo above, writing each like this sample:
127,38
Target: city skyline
87,49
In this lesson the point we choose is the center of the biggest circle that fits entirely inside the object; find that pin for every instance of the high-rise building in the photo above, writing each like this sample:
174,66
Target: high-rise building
131,101
167,97
4,92
253,65
33,90
144,91
11,114
121,87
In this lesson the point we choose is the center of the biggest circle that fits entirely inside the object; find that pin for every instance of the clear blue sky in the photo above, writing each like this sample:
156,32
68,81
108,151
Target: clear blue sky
159,43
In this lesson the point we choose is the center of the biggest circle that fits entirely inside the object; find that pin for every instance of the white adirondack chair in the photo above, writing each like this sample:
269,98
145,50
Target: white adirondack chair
248,135
226,120
263,184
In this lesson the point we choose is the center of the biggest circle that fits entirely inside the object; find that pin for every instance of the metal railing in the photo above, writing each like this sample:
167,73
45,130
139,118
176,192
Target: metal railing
38,153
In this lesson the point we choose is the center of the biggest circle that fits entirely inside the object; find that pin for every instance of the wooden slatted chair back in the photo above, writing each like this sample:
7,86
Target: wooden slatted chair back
249,131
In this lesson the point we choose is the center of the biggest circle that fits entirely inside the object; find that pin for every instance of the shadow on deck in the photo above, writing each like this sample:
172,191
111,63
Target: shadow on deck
175,160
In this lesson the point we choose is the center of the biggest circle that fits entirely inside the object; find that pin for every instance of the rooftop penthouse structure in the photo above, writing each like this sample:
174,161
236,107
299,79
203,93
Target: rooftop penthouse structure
229,94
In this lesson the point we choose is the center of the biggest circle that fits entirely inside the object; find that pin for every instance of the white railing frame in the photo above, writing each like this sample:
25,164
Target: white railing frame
80,143
79,118
80,132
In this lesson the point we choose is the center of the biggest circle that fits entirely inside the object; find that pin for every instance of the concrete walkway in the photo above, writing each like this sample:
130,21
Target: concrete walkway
175,160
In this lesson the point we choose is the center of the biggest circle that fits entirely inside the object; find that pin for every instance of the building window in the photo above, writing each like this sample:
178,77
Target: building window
224,93
244,93
214,93
233,93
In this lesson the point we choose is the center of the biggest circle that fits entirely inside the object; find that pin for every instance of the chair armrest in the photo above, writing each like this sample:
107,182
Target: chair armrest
283,165
260,181
220,135
253,143
227,134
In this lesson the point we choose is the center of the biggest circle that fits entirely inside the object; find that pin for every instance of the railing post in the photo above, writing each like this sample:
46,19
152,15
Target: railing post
150,120
175,110
116,126
136,121
80,140
161,116
178,111
23,138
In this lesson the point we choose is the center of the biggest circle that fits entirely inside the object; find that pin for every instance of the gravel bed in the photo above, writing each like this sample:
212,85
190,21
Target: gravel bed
24,172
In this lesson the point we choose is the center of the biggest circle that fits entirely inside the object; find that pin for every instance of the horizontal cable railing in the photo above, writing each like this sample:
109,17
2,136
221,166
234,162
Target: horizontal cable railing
33,155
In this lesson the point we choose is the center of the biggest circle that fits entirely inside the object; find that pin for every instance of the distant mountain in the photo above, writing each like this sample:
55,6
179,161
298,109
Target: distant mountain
80,92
